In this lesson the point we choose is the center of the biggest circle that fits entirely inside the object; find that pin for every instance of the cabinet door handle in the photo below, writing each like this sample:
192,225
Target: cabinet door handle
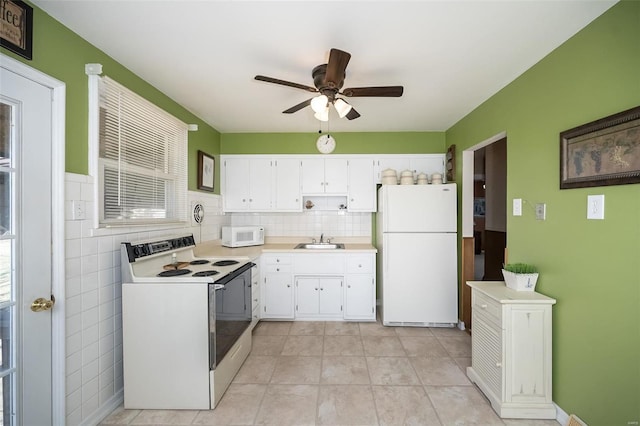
288,285
321,289
316,289
483,306
348,285
277,269
498,364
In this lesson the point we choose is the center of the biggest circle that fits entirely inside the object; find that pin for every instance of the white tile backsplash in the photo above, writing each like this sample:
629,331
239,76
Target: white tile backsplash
332,224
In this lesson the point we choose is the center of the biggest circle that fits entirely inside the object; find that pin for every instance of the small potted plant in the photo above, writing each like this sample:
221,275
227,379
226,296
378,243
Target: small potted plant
520,276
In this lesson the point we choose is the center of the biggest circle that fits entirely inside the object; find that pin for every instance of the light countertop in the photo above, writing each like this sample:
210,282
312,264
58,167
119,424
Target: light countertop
281,245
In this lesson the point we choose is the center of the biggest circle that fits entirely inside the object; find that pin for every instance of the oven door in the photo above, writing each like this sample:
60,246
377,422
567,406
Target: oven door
229,312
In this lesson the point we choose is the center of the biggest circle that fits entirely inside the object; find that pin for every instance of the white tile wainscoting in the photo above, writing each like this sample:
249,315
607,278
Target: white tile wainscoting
93,299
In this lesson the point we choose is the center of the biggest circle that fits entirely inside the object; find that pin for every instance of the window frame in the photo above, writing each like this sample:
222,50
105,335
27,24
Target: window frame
177,213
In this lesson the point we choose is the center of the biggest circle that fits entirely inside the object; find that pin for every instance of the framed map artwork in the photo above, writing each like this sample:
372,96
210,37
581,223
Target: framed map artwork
603,152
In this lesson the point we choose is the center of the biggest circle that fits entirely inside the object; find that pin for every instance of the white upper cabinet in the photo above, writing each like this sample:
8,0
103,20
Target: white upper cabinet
277,183
324,176
362,187
247,184
287,196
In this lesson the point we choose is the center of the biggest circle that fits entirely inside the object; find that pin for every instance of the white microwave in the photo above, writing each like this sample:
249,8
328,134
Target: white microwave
242,236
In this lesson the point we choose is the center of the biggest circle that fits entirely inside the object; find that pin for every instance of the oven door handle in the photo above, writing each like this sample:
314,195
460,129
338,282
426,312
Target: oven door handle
217,287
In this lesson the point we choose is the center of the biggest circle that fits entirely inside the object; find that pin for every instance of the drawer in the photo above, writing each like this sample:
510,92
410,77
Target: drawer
487,308
360,264
277,260
278,268
310,264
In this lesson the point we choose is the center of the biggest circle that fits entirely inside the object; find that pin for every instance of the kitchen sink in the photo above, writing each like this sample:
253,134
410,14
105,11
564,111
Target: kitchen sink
320,246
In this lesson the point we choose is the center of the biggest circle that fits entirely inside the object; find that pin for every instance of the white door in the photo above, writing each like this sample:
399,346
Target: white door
312,176
260,184
287,187
360,297
25,249
307,294
362,189
420,278
335,176
235,188
419,208
331,296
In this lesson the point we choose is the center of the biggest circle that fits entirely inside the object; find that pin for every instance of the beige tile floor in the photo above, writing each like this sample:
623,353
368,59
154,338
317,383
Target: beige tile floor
339,373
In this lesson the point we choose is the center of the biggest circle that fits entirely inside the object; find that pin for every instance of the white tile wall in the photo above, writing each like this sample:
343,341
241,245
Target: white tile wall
309,223
94,379
93,306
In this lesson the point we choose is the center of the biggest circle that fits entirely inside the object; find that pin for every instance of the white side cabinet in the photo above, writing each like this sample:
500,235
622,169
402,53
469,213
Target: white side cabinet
511,349
277,290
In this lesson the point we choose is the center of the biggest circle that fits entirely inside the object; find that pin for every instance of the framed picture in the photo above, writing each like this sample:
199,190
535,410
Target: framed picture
206,171
16,27
603,152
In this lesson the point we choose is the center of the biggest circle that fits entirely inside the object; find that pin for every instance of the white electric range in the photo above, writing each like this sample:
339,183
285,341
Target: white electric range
186,324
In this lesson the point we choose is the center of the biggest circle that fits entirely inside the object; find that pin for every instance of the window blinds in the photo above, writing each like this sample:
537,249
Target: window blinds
142,160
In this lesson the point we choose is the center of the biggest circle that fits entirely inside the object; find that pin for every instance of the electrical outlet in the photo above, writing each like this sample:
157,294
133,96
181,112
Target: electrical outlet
517,206
595,206
78,210
541,211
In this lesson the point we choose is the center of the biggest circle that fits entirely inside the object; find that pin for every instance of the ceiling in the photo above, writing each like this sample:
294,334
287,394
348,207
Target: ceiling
450,56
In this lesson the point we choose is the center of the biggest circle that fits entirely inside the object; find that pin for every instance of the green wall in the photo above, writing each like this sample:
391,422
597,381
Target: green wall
346,143
62,54
591,267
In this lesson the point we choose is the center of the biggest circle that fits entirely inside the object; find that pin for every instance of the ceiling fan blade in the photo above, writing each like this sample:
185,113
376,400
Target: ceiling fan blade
382,91
297,107
353,114
336,66
286,83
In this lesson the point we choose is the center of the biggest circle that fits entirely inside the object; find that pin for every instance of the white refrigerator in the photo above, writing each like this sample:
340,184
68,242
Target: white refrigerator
417,247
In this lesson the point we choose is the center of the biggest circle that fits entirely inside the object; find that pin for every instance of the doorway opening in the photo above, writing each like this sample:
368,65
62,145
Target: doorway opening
484,215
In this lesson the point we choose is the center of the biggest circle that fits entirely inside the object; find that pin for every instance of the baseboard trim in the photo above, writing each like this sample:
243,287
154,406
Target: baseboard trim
107,408
561,416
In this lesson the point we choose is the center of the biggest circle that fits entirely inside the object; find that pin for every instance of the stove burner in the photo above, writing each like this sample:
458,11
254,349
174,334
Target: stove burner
199,262
206,273
225,262
174,273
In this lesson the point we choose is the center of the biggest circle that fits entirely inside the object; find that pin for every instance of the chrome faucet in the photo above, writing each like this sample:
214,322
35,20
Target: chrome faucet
322,238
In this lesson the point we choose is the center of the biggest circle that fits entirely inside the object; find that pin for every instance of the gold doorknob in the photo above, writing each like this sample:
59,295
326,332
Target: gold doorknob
41,304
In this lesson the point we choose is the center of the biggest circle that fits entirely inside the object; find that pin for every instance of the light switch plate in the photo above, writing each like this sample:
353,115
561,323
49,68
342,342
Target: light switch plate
517,206
541,211
595,206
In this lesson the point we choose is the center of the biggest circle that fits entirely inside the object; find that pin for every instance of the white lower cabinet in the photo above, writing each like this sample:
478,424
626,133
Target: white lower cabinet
318,286
319,297
277,291
511,350
255,294
360,298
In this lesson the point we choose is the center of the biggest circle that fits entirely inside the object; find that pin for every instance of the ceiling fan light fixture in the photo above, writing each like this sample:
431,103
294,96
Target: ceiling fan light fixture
342,107
322,115
319,103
